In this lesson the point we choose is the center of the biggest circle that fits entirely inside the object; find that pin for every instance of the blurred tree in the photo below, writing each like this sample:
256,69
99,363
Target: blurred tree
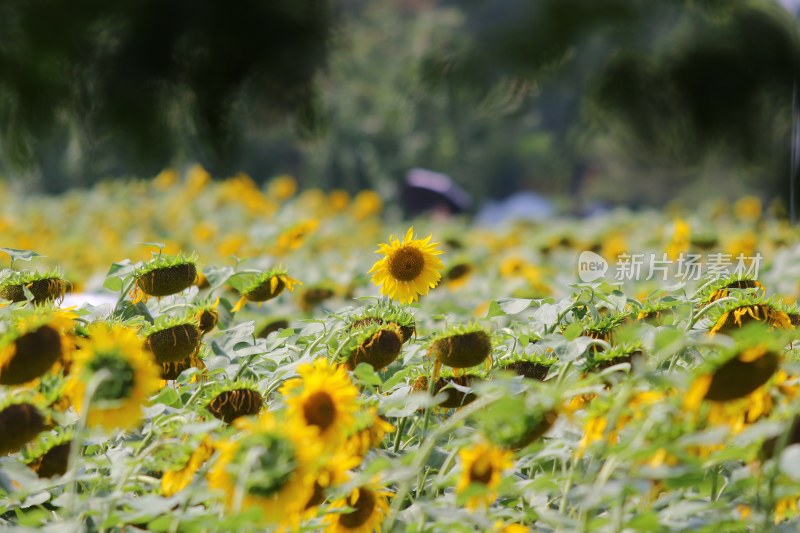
677,80
93,87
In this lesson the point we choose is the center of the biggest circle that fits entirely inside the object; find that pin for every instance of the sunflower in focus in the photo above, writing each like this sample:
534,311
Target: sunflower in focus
483,465
369,507
409,268
323,397
272,468
131,376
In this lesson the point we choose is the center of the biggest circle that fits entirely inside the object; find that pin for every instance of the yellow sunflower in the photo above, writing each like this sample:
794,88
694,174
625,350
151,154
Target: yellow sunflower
323,397
483,465
272,467
409,268
132,376
369,507
175,480
369,434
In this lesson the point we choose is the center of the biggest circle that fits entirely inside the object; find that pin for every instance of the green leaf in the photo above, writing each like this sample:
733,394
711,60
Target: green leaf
366,374
22,255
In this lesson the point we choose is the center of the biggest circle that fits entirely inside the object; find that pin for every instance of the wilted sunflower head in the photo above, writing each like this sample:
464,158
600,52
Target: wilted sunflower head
21,419
269,467
534,365
32,346
323,398
207,316
746,309
48,455
173,339
728,285
658,313
409,268
736,372
377,345
122,372
482,466
630,353
263,286
171,371
41,287
384,312
461,346
164,275
234,400
604,328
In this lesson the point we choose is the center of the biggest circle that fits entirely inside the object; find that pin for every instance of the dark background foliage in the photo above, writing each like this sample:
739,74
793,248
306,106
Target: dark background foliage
620,101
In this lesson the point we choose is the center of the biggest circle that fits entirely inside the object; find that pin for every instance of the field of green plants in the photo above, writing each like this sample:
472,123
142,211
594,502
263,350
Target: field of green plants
186,355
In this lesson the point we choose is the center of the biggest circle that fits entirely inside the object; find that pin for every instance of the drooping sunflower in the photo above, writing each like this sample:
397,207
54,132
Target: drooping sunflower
531,366
749,309
384,312
173,339
171,371
323,397
482,465
163,276
234,400
722,287
461,346
605,327
207,316
369,504
48,456
737,372
44,287
265,286
32,346
409,268
21,420
630,353
271,467
176,479
131,376
376,345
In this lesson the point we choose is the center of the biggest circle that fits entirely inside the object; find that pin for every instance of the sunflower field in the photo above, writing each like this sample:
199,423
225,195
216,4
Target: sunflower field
189,355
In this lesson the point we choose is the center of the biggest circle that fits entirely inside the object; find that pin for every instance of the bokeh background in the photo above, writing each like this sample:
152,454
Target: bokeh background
591,104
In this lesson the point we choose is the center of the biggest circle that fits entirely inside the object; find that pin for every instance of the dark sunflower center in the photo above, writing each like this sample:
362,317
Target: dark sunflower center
319,410
458,271
406,263
480,472
363,509
273,467
119,384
